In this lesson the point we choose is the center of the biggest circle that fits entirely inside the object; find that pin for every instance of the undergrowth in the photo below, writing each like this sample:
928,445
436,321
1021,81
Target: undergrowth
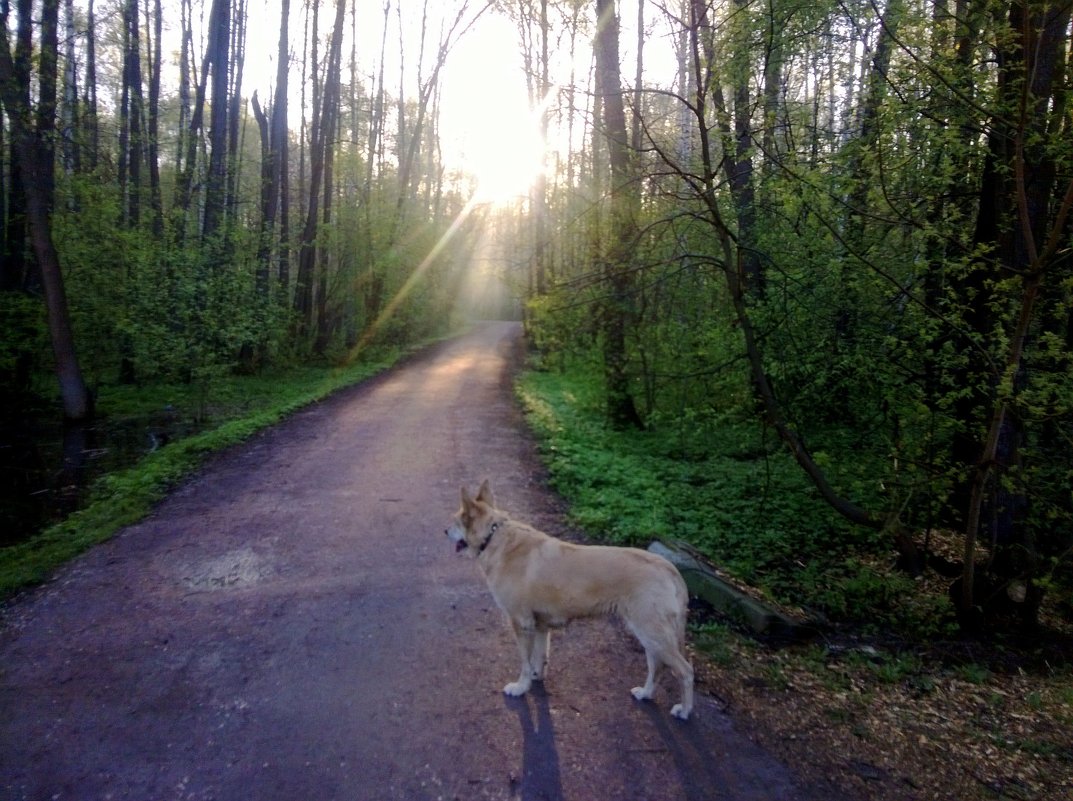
727,487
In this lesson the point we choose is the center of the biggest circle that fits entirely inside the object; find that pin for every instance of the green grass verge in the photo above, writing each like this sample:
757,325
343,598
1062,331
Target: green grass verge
239,407
729,489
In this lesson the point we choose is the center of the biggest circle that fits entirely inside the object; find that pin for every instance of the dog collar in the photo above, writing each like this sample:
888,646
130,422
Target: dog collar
488,539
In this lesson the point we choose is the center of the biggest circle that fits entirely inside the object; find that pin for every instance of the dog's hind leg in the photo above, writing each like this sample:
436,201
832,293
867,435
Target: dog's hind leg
526,635
645,692
662,648
683,671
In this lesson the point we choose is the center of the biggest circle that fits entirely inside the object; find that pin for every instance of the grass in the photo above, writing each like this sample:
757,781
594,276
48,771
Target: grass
232,409
728,488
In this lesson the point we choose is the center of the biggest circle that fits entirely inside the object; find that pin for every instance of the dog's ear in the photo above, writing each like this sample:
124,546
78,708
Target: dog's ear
484,494
467,501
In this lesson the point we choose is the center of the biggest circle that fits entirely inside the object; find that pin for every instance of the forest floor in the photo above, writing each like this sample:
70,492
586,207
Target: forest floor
890,721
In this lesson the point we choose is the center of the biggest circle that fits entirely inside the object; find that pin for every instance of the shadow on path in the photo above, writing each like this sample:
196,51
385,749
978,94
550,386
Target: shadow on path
540,779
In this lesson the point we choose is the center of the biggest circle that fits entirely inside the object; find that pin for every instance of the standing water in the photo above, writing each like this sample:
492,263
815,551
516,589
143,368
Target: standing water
47,466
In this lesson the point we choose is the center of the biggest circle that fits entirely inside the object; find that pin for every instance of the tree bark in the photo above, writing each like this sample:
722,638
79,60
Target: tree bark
281,152
16,272
216,180
329,127
156,202
268,191
237,63
31,152
131,115
91,130
617,262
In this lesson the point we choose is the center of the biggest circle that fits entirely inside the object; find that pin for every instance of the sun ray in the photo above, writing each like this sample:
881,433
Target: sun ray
413,278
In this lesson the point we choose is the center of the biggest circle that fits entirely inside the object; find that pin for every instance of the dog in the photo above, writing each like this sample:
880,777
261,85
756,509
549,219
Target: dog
543,583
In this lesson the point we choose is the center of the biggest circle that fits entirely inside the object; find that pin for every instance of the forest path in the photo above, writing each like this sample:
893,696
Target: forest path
292,624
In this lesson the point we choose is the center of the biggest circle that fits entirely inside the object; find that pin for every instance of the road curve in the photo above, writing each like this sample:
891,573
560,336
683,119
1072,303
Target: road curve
292,624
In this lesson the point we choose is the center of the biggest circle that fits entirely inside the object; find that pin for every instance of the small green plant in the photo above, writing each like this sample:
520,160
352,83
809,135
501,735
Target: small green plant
973,673
714,641
896,668
775,675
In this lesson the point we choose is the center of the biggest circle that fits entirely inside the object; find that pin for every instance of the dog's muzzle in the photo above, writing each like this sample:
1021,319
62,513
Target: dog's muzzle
460,545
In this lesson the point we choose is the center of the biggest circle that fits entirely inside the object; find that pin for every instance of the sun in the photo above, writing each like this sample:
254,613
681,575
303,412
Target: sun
488,130
506,165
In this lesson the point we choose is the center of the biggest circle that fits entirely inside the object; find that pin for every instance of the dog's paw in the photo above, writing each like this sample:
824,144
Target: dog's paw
516,688
678,711
641,693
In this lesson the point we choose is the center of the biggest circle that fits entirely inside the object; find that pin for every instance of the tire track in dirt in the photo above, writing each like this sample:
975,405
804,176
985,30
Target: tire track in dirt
292,624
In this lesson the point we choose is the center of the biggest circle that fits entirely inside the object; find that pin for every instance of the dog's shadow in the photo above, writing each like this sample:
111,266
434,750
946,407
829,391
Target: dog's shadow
540,779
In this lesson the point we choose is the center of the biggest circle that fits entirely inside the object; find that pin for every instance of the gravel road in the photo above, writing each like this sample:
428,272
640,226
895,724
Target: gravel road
292,624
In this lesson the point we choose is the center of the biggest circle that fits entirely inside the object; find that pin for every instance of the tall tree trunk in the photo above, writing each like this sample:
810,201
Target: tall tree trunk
617,262
638,78
70,156
268,207
216,180
735,127
156,202
307,244
32,152
540,186
91,130
773,62
191,135
185,54
237,64
329,127
16,272
281,152
48,60
374,283
131,116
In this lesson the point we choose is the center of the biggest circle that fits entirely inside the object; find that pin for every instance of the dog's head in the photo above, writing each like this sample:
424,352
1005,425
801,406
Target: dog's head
471,525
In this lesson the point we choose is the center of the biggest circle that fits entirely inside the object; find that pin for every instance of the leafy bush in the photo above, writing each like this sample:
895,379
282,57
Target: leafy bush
727,488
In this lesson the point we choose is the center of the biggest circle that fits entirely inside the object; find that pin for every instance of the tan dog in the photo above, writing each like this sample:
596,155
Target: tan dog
543,583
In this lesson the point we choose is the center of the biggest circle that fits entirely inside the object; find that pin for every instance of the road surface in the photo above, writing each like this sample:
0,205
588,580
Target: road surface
292,624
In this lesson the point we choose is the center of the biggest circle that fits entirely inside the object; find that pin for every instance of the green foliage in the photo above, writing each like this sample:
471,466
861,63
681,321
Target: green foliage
724,486
973,673
23,339
715,641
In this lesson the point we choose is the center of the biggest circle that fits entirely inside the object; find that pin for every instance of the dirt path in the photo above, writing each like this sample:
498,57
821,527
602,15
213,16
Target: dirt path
292,624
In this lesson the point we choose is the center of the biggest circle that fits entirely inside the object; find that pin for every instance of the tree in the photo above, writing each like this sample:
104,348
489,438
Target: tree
1021,225
281,151
156,201
322,129
132,112
34,156
217,57
616,263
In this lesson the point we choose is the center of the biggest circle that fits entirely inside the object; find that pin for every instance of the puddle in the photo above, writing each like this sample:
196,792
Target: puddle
46,466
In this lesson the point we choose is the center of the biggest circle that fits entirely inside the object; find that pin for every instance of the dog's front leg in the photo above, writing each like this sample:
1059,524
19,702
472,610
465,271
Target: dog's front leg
526,634
538,661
